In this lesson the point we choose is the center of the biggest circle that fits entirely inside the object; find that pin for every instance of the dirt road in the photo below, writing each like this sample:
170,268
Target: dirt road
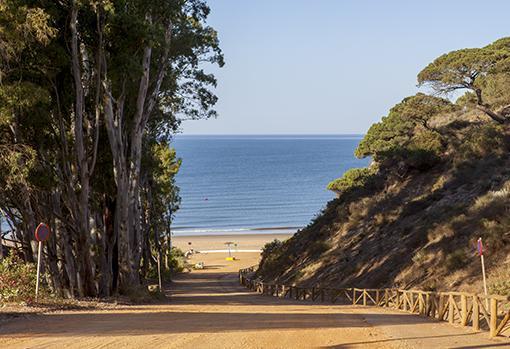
207,309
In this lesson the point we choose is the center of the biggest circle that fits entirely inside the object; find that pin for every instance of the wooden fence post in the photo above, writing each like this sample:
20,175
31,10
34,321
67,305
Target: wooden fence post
463,310
493,317
431,304
476,314
440,312
451,309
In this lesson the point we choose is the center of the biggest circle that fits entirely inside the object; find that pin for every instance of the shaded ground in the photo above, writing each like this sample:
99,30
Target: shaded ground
207,309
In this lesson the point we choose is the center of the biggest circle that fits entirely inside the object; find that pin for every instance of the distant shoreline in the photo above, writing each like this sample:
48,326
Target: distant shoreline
240,231
217,242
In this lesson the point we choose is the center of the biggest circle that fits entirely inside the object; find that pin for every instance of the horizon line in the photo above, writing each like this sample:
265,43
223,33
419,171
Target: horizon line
268,134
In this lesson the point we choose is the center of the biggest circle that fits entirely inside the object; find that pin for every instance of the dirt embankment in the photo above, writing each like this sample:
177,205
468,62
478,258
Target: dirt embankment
414,229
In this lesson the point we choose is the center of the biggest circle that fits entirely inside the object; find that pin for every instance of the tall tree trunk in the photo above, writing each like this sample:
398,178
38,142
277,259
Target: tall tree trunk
85,265
127,165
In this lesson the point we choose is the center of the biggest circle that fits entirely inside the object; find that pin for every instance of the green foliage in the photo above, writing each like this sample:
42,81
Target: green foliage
176,264
483,71
456,259
20,26
355,178
467,100
501,287
271,255
318,247
384,136
17,280
460,69
406,129
496,89
482,141
270,247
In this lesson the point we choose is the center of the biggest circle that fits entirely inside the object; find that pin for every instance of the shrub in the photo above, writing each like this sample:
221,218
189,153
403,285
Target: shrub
501,287
355,178
271,257
411,158
270,247
176,262
17,280
318,247
456,260
499,282
483,141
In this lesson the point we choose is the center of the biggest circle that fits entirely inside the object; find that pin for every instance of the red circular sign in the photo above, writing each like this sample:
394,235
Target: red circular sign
42,232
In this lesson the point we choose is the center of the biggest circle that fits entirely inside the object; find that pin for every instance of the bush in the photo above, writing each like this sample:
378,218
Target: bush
271,257
499,282
355,178
17,280
483,141
456,260
418,159
318,247
271,247
501,287
176,262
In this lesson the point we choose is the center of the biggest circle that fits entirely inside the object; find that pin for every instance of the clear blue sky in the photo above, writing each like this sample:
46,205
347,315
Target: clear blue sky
333,66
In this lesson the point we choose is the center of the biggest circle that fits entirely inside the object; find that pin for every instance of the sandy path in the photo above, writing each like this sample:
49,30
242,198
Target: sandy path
209,310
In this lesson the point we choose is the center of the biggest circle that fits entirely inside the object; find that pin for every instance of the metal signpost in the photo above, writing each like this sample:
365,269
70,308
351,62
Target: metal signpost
42,233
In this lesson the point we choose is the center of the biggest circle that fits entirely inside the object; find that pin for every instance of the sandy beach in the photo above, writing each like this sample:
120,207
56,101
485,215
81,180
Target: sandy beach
205,243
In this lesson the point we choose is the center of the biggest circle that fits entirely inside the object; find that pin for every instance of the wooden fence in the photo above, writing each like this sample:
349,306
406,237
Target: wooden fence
489,313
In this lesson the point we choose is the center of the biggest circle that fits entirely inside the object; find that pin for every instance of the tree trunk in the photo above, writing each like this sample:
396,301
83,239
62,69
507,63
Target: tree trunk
127,166
83,247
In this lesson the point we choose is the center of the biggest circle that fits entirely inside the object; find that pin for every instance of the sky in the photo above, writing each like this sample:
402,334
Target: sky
332,66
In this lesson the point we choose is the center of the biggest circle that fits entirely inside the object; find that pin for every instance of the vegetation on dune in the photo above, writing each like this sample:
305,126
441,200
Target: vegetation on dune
91,94
438,180
17,280
353,179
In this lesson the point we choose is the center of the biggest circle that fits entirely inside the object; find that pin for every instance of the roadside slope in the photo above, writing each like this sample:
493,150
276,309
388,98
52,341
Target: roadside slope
411,227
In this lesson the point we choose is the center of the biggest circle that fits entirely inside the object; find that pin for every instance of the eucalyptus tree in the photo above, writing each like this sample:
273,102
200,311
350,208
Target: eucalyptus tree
24,32
90,91
152,71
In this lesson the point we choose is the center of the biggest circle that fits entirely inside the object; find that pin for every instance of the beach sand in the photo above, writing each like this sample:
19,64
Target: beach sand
206,243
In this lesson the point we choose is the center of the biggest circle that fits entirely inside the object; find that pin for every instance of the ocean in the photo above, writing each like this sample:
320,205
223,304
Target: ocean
257,184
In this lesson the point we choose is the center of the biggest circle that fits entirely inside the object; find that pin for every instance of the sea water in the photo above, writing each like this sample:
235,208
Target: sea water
257,184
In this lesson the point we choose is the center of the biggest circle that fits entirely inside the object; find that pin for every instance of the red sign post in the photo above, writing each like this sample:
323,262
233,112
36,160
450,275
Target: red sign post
42,233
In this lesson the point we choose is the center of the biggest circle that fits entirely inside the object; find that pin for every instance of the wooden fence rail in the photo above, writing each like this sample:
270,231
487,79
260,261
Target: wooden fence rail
489,313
